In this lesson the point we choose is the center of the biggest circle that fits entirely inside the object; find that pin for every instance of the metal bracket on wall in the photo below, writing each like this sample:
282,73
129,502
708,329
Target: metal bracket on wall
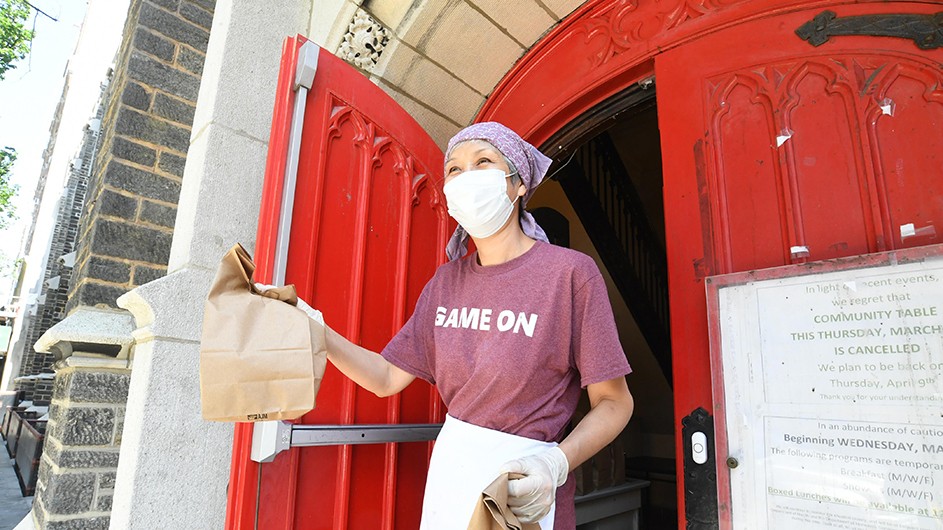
272,437
925,30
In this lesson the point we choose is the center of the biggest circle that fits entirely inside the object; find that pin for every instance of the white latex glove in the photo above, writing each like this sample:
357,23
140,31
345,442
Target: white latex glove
530,498
312,313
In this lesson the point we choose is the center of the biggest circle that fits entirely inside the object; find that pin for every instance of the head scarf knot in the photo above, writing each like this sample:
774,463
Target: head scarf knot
531,165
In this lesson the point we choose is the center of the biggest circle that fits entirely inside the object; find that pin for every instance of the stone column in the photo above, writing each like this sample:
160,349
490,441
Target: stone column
174,466
83,436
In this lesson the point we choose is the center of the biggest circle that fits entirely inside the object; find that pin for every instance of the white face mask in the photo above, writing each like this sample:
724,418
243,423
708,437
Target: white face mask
478,200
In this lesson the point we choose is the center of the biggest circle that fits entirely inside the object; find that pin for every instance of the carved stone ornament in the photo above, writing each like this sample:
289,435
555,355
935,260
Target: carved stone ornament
925,30
364,41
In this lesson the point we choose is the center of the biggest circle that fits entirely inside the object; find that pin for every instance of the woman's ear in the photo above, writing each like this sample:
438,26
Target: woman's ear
521,190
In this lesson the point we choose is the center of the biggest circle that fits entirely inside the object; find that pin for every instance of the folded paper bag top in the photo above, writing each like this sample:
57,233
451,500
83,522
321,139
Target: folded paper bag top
492,512
260,358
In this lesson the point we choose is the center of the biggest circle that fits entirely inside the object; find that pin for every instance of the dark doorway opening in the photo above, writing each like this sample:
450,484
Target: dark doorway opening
609,188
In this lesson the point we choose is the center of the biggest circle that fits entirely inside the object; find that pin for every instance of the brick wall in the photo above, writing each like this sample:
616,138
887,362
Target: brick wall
127,223
56,274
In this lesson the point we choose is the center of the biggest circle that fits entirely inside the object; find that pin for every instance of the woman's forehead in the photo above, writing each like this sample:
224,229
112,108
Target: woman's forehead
472,147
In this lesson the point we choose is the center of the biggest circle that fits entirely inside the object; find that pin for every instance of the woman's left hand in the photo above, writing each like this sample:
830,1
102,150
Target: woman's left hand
531,497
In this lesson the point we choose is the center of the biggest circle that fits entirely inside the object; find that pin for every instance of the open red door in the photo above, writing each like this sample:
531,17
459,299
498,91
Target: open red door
777,151
368,226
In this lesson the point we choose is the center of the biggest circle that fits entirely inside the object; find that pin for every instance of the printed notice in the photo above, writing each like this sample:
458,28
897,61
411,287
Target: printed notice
855,473
833,395
873,339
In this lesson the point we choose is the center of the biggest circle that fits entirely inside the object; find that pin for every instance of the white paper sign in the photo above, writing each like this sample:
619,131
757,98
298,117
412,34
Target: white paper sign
833,397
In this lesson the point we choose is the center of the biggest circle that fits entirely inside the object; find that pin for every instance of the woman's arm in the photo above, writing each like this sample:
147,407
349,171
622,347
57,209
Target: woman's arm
366,368
611,406
530,497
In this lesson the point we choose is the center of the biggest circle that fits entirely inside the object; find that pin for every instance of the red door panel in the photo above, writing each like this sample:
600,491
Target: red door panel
910,171
368,230
770,143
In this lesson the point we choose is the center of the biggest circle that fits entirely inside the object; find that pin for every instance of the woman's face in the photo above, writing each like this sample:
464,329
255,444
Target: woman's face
478,154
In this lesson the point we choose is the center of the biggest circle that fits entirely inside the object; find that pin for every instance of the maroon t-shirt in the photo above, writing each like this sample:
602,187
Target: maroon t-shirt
509,346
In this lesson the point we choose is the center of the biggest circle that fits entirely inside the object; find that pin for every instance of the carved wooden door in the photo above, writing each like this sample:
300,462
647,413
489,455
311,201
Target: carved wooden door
368,229
778,152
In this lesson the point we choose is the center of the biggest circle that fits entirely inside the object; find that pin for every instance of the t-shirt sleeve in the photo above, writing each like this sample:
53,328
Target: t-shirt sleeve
412,348
597,352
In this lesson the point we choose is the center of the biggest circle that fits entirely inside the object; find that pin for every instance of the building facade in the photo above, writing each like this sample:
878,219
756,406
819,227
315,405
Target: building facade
707,119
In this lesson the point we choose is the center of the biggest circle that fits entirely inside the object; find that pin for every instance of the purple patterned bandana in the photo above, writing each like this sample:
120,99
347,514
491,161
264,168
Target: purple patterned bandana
531,165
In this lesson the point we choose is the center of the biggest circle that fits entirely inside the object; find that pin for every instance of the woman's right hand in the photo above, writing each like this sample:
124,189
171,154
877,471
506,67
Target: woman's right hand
312,313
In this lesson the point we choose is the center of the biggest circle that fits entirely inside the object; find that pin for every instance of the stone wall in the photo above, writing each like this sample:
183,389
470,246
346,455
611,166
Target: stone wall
57,273
80,456
128,219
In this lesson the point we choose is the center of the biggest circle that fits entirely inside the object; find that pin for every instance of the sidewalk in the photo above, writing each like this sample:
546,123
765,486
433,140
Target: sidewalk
13,506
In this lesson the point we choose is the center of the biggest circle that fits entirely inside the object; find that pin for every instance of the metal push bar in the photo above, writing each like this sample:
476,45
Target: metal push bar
272,437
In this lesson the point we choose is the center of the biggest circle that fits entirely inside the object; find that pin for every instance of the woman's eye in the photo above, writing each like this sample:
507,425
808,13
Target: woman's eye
452,170
484,161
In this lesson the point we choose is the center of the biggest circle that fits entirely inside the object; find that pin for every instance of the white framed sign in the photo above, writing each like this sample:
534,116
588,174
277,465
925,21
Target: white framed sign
828,387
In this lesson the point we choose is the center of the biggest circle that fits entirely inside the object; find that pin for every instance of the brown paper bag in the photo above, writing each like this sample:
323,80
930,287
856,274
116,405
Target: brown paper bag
260,358
492,512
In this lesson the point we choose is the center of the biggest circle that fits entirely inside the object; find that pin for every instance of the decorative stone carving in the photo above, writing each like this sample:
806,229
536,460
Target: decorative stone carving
364,41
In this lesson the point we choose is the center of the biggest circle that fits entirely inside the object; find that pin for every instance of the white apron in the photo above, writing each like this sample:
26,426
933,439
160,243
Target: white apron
465,460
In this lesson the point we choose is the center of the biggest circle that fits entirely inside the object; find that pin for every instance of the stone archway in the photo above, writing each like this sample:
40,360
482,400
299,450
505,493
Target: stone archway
440,60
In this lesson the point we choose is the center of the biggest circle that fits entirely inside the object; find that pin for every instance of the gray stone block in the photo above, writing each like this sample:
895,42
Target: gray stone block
39,512
172,164
106,481
134,124
144,274
45,468
117,205
173,27
141,182
173,109
209,5
197,15
97,295
108,270
133,152
55,410
93,523
134,242
104,502
100,387
152,72
119,429
190,60
160,215
69,493
59,387
136,96
169,4
87,426
153,44
86,459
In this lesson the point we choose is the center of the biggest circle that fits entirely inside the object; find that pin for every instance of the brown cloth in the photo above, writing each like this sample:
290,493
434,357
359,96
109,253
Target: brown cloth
492,512
260,358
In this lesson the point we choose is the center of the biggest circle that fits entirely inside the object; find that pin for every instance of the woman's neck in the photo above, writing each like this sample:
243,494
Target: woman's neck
504,246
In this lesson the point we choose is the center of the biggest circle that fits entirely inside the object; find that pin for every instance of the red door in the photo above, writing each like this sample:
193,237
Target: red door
778,152
368,229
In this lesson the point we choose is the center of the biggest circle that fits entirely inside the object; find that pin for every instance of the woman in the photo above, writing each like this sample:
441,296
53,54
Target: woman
509,336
